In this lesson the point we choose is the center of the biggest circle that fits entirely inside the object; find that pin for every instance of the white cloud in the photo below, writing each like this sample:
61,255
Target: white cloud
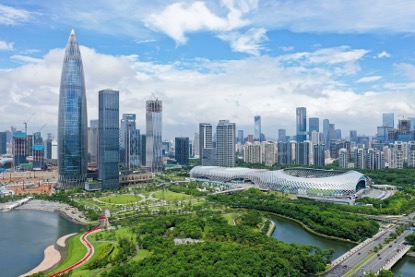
234,90
250,42
383,54
12,16
287,48
407,69
369,79
25,59
6,46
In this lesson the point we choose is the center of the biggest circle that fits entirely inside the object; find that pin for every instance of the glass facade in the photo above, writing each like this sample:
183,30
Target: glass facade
72,121
301,124
108,138
153,135
257,128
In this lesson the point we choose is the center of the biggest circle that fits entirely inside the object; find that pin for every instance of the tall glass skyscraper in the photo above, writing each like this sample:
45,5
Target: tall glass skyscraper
225,144
301,124
72,120
257,128
153,135
108,138
388,120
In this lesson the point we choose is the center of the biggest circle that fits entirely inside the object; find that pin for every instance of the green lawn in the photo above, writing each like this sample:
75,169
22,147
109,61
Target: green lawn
121,199
76,252
171,196
230,217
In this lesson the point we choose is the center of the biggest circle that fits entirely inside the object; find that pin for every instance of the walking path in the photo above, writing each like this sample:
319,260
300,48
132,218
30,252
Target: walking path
87,256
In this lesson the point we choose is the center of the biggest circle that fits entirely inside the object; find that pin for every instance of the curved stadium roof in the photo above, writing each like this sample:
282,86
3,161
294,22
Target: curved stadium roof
304,181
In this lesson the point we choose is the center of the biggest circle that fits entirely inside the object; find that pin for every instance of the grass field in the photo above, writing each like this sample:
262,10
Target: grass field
76,251
230,217
121,199
171,196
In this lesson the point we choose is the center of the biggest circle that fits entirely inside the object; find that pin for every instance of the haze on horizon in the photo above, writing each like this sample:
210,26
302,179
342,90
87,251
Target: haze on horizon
210,60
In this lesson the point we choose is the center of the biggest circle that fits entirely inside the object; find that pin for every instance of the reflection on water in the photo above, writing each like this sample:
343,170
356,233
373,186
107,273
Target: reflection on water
290,231
405,267
25,235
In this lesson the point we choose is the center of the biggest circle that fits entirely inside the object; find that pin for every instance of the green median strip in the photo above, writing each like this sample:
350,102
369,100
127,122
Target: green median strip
359,265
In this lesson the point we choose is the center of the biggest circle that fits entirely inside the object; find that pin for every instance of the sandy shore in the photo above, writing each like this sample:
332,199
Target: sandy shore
51,256
65,210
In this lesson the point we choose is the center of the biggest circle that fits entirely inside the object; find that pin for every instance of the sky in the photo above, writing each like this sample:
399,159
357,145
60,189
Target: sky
347,61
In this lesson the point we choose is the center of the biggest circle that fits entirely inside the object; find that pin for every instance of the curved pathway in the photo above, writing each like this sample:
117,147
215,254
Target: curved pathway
87,256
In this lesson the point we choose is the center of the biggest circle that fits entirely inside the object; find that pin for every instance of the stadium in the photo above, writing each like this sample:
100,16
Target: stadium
299,181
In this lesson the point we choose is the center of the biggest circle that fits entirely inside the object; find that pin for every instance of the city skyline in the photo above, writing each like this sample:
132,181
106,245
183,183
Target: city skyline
246,58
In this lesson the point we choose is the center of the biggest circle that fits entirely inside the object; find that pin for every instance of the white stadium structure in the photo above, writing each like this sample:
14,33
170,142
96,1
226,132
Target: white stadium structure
300,181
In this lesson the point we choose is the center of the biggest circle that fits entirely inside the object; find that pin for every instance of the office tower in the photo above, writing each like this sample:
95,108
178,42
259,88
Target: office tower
269,153
257,128
388,120
353,135
284,152
343,158
133,149
335,147
108,138
250,138
240,138
181,150
319,157
143,149
326,131
404,126
3,143
252,152
191,153
301,124
153,135
282,135
72,121
127,138
315,137
196,148
302,153
48,149
337,134
93,141
38,152
225,144
313,125
205,138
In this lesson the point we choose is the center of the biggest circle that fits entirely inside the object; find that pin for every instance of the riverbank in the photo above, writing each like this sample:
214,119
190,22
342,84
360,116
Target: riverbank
312,231
52,256
66,211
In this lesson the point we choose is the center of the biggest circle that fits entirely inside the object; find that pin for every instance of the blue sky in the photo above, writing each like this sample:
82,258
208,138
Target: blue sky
348,61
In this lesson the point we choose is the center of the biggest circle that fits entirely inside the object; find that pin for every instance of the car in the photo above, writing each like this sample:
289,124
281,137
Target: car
390,245
358,253
380,258
378,254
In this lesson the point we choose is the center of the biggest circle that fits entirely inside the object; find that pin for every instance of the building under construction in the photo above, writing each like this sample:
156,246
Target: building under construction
19,148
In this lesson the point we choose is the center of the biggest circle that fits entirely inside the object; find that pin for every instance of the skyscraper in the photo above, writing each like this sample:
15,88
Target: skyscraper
3,143
241,138
313,125
108,138
388,120
153,135
282,135
302,153
326,131
127,137
92,140
72,120
257,128
301,124
225,144
205,138
181,150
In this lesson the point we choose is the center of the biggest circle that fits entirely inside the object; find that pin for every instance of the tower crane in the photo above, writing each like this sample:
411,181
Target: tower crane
27,121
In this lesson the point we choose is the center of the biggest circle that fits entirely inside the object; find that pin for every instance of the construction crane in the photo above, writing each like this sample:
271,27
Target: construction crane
41,128
27,121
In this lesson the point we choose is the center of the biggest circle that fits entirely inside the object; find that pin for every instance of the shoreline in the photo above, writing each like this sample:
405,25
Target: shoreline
312,231
68,212
52,256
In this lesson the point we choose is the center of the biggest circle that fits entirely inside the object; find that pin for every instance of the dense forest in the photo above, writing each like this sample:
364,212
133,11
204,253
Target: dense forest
226,250
324,218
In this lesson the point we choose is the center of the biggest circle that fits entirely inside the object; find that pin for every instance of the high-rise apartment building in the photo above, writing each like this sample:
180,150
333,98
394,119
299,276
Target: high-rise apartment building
153,135
257,128
72,120
302,153
108,138
225,144
301,124
343,158
284,152
181,150
269,153
205,138
253,152
388,120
